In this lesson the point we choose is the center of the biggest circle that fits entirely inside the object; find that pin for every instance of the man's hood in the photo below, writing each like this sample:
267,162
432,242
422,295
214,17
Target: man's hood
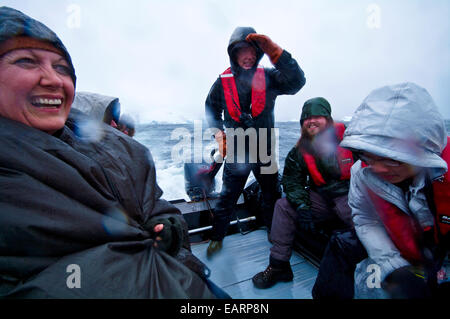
97,106
400,122
237,39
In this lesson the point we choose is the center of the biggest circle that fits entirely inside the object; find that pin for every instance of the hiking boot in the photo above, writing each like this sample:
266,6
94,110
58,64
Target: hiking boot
271,276
213,248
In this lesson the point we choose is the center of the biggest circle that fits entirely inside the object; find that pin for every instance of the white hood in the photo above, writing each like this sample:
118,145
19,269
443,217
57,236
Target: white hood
400,122
94,105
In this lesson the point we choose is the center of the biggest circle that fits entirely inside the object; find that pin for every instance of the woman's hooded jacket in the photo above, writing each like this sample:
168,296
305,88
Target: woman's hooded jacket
77,212
400,122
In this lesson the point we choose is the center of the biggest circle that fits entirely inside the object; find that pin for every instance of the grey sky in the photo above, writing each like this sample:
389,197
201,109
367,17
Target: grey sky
161,57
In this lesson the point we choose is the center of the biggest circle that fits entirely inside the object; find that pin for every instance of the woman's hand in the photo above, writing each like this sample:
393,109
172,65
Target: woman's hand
167,234
158,228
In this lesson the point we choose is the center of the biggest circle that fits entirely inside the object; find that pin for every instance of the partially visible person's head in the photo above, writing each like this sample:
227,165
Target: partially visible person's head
37,78
98,107
398,131
112,112
126,125
243,54
315,117
246,57
387,169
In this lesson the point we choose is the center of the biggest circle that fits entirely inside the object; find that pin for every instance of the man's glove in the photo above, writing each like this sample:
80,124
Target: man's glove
169,239
267,45
305,219
221,139
406,283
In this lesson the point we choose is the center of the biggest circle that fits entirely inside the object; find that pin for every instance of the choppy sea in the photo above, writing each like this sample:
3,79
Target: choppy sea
168,144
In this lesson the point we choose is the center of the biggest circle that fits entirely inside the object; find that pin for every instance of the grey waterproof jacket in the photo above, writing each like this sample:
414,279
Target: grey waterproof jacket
400,122
98,107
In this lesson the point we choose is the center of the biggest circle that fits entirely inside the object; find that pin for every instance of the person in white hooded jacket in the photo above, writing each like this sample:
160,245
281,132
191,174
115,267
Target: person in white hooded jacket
397,192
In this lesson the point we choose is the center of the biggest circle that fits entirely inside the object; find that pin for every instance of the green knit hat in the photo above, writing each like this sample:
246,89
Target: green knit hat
317,106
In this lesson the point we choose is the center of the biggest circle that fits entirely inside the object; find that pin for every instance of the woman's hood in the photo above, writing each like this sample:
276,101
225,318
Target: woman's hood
14,23
400,122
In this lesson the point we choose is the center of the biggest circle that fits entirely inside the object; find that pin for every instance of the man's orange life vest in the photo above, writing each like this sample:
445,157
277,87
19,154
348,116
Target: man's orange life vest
344,156
232,97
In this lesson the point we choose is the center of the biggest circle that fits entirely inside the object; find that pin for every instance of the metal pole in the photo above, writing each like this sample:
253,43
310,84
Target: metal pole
197,230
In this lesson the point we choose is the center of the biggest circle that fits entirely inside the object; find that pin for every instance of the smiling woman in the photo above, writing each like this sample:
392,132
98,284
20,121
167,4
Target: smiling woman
34,66
36,87
68,202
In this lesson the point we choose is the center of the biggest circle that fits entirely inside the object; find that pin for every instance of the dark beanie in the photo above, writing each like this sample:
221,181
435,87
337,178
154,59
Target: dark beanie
19,31
317,106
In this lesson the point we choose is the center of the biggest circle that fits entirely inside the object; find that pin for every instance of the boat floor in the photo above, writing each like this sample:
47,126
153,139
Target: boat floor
242,256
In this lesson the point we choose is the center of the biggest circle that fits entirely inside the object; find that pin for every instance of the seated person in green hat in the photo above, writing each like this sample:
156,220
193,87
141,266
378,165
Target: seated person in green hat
316,182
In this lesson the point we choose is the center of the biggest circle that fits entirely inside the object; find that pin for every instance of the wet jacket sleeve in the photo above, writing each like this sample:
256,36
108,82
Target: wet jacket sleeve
370,229
214,106
160,211
295,181
287,77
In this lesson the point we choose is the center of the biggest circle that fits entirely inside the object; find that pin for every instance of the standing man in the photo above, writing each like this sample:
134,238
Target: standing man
316,182
243,97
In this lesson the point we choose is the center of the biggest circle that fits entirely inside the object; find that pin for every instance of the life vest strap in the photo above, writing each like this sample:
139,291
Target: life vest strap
344,157
232,97
441,193
401,228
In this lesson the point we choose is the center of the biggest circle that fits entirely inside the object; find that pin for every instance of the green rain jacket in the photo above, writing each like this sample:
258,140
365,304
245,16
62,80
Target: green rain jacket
297,180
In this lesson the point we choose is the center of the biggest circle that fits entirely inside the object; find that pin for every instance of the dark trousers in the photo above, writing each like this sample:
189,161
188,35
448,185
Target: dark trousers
286,219
335,278
234,178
